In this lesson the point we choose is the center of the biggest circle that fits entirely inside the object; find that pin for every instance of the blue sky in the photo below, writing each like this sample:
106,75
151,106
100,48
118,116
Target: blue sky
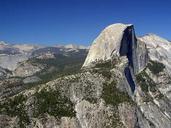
50,22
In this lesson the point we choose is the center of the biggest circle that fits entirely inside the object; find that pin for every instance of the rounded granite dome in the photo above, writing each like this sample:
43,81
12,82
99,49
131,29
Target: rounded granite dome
106,44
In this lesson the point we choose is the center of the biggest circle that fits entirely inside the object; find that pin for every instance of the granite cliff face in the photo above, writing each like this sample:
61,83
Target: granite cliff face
146,69
124,83
159,49
106,44
118,40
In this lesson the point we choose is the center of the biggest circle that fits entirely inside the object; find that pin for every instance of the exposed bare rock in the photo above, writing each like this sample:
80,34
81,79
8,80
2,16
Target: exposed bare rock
31,79
155,116
159,49
93,115
118,40
10,62
9,86
142,58
127,114
46,56
52,122
4,73
106,44
8,122
27,69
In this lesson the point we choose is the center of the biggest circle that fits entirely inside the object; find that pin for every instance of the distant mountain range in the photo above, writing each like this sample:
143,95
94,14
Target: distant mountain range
12,54
7,48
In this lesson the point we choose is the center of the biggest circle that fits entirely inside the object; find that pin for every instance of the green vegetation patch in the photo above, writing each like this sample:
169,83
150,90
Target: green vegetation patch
155,67
106,64
50,102
145,82
91,100
59,66
15,107
114,96
53,103
103,68
104,72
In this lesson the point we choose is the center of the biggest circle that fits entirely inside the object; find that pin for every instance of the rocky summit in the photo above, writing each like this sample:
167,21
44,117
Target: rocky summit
122,81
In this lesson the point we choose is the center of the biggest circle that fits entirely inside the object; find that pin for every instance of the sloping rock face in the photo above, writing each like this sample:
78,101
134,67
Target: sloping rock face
142,57
4,73
26,68
8,122
10,62
147,71
159,49
106,44
9,86
118,40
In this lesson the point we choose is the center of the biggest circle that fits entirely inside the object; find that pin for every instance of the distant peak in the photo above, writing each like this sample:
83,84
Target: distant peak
72,46
3,43
117,26
153,40
153,37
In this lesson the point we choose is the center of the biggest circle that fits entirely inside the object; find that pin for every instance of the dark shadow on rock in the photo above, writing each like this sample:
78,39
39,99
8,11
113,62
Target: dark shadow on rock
129,79
126,48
